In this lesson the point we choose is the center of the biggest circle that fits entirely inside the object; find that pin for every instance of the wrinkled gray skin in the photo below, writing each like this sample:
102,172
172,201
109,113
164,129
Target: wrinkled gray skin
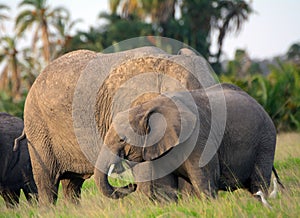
244,158
49,112
15,166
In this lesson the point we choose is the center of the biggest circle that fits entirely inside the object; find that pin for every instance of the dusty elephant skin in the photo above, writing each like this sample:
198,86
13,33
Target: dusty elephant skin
245,156
55,152
15,166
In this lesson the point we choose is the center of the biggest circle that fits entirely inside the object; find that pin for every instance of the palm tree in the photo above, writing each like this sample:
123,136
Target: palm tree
128,8
9,77
158,11
232,15
64,37
198,18
30,67
43,16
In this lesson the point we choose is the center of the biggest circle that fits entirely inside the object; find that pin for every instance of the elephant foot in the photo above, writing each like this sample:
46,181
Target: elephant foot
11,198
165,195
126,189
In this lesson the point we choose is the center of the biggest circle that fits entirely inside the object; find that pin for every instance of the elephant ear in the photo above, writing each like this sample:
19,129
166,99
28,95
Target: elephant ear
167,126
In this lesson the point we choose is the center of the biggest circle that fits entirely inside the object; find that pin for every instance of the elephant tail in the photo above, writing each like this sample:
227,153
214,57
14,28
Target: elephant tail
277,177
17,141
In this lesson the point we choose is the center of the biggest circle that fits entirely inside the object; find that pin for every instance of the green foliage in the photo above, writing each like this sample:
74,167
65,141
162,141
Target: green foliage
294,52
119,29
242,65
11,106
278,93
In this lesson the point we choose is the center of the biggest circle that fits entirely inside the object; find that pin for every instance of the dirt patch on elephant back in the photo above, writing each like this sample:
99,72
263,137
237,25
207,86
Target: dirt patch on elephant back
144,98
133,81
152,65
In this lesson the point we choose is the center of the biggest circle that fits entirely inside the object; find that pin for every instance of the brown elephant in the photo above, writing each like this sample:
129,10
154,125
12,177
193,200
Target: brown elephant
15,166
192,135
71,104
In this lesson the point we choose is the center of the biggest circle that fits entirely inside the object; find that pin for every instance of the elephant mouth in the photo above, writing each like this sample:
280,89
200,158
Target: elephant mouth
121,175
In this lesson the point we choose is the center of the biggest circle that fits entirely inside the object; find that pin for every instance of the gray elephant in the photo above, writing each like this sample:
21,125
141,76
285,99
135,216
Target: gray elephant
15,166
194,136
70,107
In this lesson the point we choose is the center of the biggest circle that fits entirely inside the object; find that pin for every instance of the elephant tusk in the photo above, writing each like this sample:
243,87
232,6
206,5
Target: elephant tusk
111,168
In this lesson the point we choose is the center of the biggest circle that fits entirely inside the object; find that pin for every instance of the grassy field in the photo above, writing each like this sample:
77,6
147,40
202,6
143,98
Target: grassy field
237,204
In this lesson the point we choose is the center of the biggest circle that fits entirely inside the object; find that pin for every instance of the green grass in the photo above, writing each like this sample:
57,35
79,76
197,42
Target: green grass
228,204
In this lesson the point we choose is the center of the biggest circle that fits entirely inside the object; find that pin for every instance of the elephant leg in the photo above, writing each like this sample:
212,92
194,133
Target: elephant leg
47,188
204,179
72,189
30,191
45,173
11,198
185,188
165,188
161,190
262,171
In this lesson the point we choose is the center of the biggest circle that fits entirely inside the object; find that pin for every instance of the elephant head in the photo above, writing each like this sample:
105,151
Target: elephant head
145,133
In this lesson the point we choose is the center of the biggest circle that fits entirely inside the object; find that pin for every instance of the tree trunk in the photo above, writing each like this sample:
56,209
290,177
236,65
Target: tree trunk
46,44
16,82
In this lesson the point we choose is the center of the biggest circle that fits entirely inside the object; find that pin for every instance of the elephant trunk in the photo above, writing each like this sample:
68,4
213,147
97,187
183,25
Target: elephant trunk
101,177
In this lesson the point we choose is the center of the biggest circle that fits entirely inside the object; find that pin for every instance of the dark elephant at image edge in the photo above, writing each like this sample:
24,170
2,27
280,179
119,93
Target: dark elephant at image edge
15,166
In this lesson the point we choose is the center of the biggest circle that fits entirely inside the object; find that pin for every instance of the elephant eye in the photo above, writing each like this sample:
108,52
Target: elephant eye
122,140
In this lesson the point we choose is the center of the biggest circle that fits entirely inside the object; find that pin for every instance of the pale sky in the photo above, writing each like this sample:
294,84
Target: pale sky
268,32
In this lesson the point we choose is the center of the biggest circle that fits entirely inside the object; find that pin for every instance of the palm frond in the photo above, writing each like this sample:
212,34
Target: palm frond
60,11
28,2
38,4
24,15
2,8
27,24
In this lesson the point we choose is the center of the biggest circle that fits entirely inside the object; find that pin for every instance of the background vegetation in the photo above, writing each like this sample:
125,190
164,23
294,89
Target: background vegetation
274,83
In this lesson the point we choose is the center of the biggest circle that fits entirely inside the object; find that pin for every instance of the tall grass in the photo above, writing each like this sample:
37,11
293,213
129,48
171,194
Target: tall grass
236,204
